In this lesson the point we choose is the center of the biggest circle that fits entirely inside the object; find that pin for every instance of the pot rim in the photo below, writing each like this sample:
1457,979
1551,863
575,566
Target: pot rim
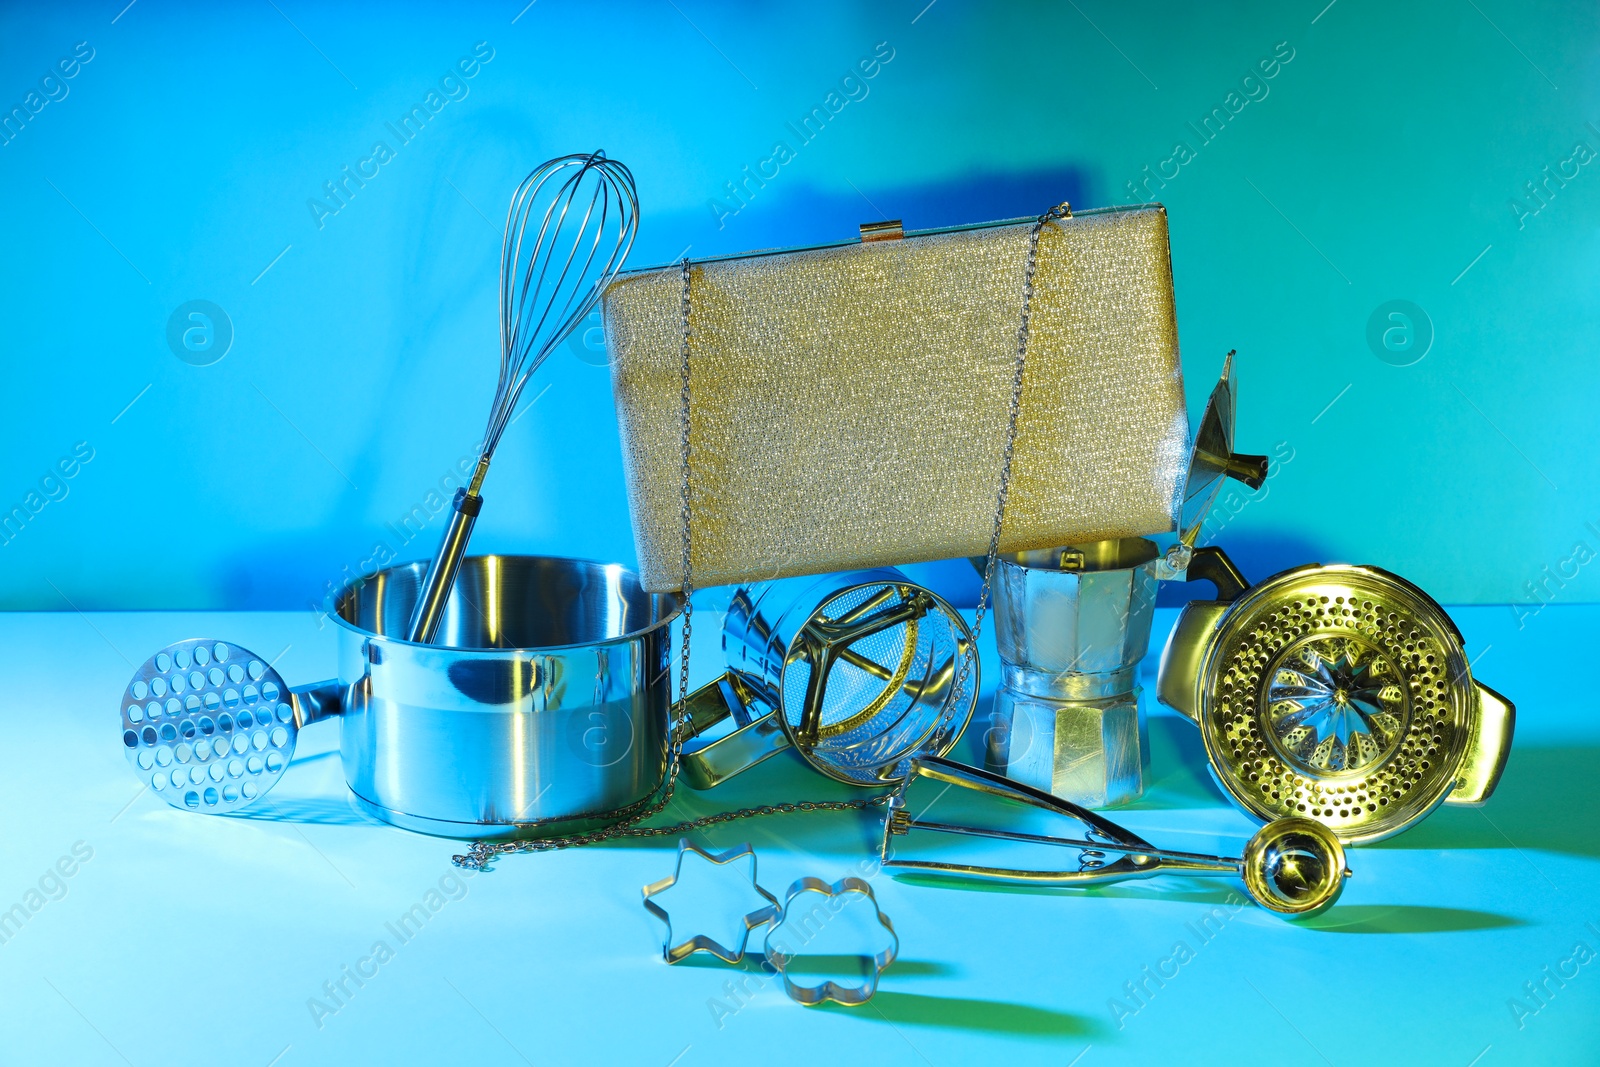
479,652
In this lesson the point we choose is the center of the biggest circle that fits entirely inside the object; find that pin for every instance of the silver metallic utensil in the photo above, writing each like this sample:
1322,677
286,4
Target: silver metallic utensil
1072,624
587,213
211,726
544,711
1293,866
676,951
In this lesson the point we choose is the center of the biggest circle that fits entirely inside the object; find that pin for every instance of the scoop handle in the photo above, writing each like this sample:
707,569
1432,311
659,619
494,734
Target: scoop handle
441,576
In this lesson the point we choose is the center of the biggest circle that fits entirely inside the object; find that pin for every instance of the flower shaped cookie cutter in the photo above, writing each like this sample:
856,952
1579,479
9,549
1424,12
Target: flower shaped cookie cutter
673,953
779,955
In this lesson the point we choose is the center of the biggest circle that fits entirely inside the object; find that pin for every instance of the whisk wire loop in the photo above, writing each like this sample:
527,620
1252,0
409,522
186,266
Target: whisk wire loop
542,291
587,214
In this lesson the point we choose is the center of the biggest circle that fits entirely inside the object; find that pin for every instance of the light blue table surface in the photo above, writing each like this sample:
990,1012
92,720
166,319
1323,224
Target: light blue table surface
189,939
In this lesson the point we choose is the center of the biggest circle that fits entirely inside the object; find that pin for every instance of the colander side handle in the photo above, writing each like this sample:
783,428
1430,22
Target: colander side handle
1178,680
1179,684
1491,743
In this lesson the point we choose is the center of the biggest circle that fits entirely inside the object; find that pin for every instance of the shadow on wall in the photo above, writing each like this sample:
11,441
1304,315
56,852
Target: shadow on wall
293,572
802,214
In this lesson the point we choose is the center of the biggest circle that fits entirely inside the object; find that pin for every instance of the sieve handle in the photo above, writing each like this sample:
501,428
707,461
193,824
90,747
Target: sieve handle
441,576
729,697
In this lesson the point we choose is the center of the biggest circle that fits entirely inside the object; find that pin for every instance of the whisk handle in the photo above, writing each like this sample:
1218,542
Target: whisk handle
441,576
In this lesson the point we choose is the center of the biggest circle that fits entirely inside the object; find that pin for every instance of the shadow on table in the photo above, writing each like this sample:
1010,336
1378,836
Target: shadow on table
1177,776
922,1009
1173,889
1405,919
319,811
966,1013
754,964
1343,919
1546,800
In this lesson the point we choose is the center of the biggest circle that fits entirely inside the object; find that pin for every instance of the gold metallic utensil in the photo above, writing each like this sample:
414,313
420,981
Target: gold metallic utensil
858,672
1337,693
1293,867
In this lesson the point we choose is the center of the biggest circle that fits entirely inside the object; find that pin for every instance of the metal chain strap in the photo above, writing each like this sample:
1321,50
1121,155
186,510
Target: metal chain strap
481,853
1060,211
686,515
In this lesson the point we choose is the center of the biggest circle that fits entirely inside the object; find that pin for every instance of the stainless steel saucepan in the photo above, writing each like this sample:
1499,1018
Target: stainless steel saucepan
542,708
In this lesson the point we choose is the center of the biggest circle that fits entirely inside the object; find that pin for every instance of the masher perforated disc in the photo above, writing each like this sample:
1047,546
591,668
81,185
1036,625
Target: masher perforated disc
874,679
207,725
1337,693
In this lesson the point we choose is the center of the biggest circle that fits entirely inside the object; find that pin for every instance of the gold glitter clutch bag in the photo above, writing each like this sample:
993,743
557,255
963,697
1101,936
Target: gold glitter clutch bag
851,402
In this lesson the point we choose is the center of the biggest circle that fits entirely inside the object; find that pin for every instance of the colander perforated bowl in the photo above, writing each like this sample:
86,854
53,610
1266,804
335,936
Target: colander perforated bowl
1337,693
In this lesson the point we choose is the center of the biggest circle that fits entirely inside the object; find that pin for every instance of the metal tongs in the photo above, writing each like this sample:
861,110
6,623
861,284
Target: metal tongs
1294,867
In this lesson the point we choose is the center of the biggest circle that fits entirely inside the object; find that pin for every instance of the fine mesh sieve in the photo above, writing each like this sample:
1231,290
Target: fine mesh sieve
865,669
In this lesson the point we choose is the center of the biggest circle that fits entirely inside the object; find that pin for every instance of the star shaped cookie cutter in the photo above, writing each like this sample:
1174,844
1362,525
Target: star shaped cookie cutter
674,953
811,995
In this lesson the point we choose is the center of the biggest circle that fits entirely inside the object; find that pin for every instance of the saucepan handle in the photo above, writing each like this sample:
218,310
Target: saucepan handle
315,702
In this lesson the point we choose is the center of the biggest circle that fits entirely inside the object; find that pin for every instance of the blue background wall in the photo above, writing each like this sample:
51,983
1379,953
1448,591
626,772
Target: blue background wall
1387,159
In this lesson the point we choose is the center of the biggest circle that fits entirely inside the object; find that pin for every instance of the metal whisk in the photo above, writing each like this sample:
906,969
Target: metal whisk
587,213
